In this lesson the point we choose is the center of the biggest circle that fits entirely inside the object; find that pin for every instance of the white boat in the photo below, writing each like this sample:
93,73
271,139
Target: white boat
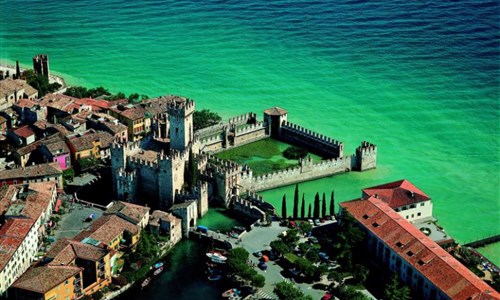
216,257
158,271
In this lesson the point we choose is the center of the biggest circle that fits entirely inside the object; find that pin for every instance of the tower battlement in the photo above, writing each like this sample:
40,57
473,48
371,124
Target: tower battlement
181,108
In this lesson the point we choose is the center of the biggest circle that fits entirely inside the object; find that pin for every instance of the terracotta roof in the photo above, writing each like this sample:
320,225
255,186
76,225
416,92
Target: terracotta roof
181,205
129,210
398,193
424,255
85,141
134,113
275,111
12,234
41,279
41,124
107,228
57,101
158,215
65,251
98,105
24,131
47,169
10,85
25,103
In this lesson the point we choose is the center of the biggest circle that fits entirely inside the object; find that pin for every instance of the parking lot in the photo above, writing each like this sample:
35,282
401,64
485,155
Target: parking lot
259,239
73,221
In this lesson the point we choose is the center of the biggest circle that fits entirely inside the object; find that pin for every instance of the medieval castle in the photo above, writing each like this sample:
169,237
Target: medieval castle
152,170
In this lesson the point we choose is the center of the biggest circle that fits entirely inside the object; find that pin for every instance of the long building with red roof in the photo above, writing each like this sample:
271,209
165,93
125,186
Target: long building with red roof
431,271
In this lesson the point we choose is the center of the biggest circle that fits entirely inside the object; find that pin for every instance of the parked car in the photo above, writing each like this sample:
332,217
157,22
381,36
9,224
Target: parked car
313,240
317,222
257,254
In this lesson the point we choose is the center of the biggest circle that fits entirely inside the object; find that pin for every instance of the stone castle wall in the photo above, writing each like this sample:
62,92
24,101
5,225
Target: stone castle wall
316,143
307,170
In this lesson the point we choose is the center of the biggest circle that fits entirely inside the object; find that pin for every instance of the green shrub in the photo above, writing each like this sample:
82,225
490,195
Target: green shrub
293,152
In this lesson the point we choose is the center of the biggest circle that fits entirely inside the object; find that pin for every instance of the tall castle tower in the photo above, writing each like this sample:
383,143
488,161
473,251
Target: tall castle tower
41,65
181,123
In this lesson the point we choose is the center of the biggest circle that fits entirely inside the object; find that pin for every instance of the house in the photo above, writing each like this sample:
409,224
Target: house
135,214
164,223
103,122
48,282
12,90
22,136
394,242
25,209
29,111
89,255
36,173
99,105
133,117
91,144
58,106
404,197
113,231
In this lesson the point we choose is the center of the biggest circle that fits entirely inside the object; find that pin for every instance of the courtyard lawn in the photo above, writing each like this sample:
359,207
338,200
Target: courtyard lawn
262,157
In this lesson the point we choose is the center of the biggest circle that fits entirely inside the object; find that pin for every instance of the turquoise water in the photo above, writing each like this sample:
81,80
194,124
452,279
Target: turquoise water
418,78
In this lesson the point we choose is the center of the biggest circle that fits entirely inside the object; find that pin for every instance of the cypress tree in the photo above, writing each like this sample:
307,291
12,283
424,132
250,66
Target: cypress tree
332,204
309,213
296,202
191,172
316,210
283,207
303,207
323,206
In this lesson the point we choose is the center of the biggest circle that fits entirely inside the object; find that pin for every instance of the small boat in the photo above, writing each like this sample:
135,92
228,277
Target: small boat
158,271
230,292
145,282
216,257
214,277
158,265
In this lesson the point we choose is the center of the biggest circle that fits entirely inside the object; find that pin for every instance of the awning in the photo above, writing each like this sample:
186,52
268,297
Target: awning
58,204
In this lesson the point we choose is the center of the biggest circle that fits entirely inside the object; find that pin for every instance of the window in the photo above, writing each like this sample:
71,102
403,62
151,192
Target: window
422,204
418,214
410,254
407,217
412,206
365,217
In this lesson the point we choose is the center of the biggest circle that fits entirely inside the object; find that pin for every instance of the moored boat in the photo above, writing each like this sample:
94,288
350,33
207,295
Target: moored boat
158,265
230,293
145,282
158,271
216,257
214,277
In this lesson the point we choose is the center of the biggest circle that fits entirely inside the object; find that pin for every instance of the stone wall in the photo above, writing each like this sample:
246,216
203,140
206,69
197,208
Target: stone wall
249,134
247,209
316,143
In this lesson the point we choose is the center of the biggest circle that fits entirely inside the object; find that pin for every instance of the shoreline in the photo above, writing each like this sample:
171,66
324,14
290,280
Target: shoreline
52,78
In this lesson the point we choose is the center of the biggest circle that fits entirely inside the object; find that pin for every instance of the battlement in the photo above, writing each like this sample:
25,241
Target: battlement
250,128
242,119
142,162
211,139
130,147
181,108
301,130
366,156
366,148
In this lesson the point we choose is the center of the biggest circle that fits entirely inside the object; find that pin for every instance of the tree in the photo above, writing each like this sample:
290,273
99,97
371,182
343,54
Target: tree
40,83
280,247
205,118
332,204
323,206
258,280
360,273
296,202
394,290
291,237
283,207
305,266
287,291
309,211
305,227
316,211
303,208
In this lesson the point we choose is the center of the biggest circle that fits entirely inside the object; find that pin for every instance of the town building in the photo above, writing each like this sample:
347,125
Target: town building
188,213
24,211
428,269
90,144
13,90
112,231
22,136
404,197
35,173
104,122
133,213
166,224
29,111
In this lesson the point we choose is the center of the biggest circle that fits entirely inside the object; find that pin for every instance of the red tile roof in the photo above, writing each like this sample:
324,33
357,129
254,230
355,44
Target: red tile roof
131,211
432,261
65,251
24,131
40,170
107,228
41,279
396,194
25,103
98,105
86,141
275,111
12,235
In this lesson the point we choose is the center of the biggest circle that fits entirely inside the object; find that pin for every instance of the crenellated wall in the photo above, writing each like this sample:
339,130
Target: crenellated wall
249,134
317,143
366,156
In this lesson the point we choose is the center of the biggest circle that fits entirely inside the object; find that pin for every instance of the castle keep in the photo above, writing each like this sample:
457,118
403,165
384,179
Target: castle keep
153,169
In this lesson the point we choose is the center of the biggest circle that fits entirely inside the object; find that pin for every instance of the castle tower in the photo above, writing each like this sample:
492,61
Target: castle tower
117,163
41,65
202,197
366,156
170,177
181,123
274,118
